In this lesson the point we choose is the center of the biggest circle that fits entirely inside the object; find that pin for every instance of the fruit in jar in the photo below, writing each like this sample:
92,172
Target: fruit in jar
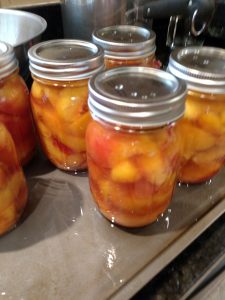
13,188
149,61
61,117
15,113
132,175
125,171
204,141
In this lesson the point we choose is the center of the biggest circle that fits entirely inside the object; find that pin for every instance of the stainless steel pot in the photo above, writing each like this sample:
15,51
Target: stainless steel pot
22,30
81,17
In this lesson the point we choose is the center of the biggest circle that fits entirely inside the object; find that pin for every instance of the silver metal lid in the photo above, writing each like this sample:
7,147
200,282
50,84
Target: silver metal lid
137,97
125,41
8,61
203,68
65,60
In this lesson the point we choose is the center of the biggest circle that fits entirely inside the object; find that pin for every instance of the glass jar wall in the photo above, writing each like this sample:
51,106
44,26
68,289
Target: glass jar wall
13,187
15,110
61,70
133,148
203,125
126,45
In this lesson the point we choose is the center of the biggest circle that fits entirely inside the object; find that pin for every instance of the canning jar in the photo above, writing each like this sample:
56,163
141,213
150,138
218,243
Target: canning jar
203,125
61,70
126,45
15,110
13,187
133,149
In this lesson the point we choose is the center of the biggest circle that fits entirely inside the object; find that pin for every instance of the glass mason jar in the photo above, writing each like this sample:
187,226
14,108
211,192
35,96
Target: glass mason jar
61,70
13,187
203,125
133,149
15,110
126,45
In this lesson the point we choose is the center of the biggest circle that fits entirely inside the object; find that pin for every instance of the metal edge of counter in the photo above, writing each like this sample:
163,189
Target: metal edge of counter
164,258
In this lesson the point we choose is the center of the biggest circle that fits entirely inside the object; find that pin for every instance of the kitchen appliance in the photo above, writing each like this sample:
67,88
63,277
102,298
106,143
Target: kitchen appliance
188,19
21,30
81,17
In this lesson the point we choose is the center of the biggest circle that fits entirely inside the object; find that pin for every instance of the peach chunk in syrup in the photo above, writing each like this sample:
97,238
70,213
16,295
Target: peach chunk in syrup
15,113
61,117
132,175
203,129
13,188
149,61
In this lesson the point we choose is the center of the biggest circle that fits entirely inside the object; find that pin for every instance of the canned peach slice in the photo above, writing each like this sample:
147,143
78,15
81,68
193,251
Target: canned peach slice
215,153
7,152
20,129
126,146
70,102
43,129
74,93
193,110
50,120
8,218
163,196
210,122
196,139
50,125
62,156
44,94
108,149
14,93
128,198
125,172
7,197
153,168
131,209
222,117
37,91
79,125
54,153
11,190
3,175
77,144
196,173
201,140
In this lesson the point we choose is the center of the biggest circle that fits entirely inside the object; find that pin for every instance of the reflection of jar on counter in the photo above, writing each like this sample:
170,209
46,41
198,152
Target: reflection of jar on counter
15,110
126,45
61,70
133,149
13,188
203,125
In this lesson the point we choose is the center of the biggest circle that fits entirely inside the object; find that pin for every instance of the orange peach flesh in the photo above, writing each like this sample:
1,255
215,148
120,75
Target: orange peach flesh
203,129
13,188
15,113
61,116
132,176
149,61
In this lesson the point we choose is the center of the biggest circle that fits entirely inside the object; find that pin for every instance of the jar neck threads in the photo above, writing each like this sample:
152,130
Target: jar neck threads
8,61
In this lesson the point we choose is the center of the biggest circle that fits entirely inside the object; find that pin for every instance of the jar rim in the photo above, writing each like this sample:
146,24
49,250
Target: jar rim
139,97
202,68
125,41
8,60
65,59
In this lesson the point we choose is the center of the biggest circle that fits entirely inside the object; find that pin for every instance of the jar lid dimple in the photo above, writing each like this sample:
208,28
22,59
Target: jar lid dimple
125,41
203,68
136,96
65,59
8,61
